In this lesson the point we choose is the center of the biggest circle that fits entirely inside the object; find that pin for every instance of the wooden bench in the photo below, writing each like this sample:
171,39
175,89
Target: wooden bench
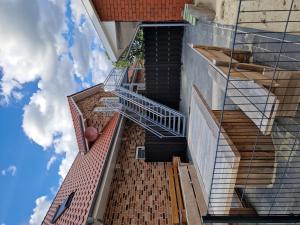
187,200
286,85
178,210
237,164
193,197
251,87
257,167
220,56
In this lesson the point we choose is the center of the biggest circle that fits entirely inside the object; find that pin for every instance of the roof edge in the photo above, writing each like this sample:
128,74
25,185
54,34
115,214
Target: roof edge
92,13
113,145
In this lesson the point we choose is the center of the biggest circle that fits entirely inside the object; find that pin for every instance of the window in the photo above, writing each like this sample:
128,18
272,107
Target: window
62,207
140,152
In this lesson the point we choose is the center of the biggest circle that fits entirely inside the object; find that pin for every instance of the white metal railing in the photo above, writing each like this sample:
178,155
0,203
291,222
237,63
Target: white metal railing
115,78
165,118
153,116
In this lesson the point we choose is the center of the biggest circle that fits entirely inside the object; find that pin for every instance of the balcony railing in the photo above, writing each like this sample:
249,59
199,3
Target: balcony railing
161,120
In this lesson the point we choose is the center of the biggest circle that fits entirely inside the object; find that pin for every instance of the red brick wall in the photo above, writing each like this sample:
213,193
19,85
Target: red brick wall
140,10
83,177
139,193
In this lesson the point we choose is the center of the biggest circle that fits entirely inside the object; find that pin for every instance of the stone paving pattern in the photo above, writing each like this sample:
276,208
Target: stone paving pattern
139,192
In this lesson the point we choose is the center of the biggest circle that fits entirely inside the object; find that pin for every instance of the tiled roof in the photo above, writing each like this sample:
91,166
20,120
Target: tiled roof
76,117
83,178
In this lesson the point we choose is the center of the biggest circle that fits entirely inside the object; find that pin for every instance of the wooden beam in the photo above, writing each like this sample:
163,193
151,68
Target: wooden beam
180,205
242,211
198,191
174,207
261,110
192,212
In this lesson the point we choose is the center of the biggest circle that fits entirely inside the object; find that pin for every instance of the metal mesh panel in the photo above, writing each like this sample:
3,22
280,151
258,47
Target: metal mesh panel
260,116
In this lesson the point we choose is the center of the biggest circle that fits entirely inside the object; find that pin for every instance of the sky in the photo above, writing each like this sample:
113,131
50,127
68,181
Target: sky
48,50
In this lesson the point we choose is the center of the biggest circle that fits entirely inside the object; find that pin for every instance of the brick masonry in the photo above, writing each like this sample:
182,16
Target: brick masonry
140,10
95,119
139,192
86,107
83,177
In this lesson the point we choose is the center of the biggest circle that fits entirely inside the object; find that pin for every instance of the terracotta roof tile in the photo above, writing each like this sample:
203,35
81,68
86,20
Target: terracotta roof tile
83,178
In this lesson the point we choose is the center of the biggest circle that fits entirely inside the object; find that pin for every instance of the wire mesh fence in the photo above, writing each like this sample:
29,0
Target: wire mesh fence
260,118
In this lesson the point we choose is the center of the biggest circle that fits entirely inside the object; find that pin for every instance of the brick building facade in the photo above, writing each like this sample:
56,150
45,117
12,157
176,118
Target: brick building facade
140,10
136,192
87,169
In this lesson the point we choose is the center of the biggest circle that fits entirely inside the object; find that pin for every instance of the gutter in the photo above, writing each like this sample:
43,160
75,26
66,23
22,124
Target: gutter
104,176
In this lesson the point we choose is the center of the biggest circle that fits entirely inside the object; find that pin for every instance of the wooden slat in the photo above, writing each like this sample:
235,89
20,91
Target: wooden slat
283,89
260,79
242,211
176,162
221,59
254,67
244,94
175,212
178,193
216,57
261,162
192,212
198,191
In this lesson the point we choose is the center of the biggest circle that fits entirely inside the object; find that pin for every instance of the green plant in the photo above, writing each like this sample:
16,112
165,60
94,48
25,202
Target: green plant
136,52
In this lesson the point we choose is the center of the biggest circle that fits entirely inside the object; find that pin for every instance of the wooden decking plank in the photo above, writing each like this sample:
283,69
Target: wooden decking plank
192,212
198,191
175,213
244,95
260,79
242,211
220,58
178,195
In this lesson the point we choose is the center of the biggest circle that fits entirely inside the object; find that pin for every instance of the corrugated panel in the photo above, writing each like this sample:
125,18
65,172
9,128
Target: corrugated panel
163,46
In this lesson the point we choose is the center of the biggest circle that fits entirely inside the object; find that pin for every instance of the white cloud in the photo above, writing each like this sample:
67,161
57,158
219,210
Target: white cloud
27,41
42,205
50,162
94,59
39,53
11,170
32,48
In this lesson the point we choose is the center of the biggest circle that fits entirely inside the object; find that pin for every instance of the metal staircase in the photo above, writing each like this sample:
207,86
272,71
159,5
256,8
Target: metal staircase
160,120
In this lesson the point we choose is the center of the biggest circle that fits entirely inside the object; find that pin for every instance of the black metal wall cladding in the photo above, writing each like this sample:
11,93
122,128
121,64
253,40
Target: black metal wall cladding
163,47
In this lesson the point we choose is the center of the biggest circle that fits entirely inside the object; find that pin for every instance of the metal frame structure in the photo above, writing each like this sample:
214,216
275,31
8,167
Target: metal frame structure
161,120
277,48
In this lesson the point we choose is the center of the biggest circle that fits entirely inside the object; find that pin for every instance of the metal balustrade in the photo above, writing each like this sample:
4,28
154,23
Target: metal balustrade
262,184
115,78
159,119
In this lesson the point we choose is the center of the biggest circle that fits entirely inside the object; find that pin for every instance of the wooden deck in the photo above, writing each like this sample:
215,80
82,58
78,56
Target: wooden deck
257,162
187,199
259,91
244,156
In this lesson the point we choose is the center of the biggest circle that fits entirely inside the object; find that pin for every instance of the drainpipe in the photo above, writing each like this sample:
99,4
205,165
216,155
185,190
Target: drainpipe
94,221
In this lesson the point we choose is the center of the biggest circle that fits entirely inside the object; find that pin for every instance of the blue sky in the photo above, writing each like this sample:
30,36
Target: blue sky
48,50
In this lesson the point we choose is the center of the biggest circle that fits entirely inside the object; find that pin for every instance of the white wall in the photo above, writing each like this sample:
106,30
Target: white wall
202,142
